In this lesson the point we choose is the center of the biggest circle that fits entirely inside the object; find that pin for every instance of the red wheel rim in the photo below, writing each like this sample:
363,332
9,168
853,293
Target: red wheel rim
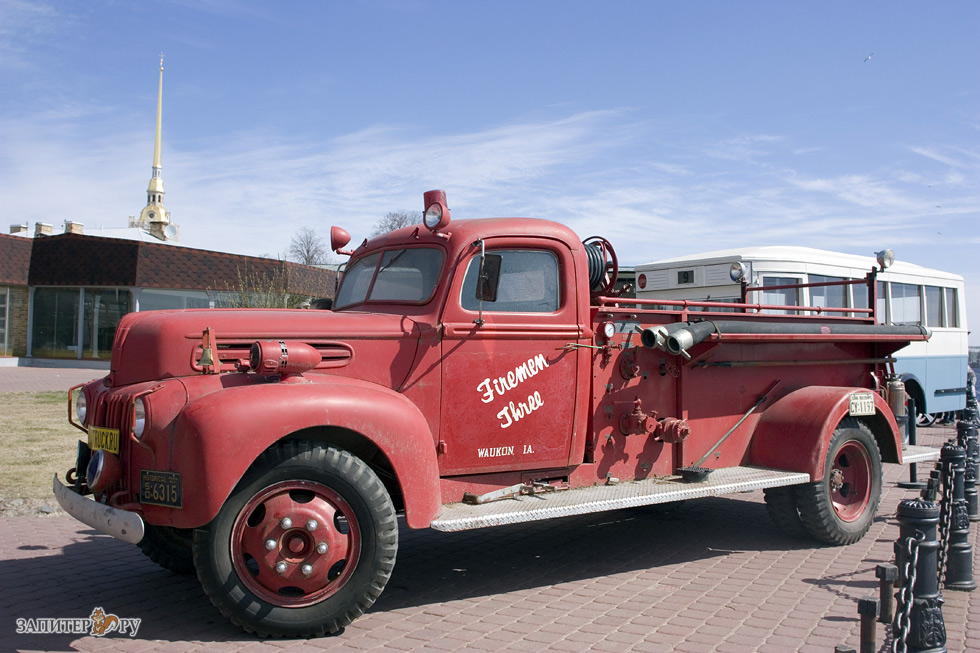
277,543
850,481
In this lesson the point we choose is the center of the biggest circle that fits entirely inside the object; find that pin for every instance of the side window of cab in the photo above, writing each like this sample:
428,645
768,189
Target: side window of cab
528,283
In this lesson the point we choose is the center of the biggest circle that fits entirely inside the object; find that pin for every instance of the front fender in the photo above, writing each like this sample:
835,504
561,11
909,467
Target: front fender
794,433
219,435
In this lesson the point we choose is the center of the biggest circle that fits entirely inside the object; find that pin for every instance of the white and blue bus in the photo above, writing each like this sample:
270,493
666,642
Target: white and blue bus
934,371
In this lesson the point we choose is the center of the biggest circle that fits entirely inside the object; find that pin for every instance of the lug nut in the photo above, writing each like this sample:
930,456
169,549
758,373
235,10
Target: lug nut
322,548
286,523
306,569
270,544
311,525
280,567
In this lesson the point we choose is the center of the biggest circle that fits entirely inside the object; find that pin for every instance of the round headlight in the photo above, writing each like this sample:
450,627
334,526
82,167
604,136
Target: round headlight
139,417
737,271
433,215
81,408
103,471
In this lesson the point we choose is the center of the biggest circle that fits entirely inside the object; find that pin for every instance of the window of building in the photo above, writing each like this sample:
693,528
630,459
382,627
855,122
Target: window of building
528,283
55,329
162,300
4,303
104,307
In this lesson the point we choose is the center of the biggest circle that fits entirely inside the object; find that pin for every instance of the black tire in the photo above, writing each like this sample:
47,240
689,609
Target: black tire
781,506
353,516
171,548
840,508
925,419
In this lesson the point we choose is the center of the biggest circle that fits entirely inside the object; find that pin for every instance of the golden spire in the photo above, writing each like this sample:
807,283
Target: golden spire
154,214
157,166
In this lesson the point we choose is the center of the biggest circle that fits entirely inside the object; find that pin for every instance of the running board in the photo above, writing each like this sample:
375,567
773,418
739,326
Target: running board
918,454
630,494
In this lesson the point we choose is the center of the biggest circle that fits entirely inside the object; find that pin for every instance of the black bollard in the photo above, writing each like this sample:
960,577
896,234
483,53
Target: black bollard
887,575
931,491
966,437
972,412
919,624
913,483
959,550
868,609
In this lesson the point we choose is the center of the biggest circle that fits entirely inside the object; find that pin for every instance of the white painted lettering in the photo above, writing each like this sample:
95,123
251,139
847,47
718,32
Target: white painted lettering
487,392
516,412
495,452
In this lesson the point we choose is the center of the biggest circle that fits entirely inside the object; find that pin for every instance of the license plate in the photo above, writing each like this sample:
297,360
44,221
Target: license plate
103,438
160,488
862,403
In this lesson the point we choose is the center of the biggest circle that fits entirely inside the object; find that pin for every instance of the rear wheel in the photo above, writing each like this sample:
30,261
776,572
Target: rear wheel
303,546
840,508
781,506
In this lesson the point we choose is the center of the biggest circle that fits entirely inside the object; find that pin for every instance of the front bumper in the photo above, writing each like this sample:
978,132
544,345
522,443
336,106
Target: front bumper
121,524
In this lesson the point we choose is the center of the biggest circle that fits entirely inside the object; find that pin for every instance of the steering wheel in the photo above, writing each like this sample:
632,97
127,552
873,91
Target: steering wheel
603,265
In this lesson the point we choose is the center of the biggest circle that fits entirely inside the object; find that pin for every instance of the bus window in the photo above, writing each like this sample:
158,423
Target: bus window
952,309
934,307
784,297
882,304
906,308
859,293
827,296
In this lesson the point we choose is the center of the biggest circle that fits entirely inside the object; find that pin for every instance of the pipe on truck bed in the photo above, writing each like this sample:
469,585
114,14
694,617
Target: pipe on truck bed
678,337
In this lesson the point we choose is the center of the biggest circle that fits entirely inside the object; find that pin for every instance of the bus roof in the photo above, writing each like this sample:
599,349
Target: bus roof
776,253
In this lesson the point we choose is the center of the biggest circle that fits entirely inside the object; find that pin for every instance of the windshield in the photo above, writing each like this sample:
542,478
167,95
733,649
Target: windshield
396,275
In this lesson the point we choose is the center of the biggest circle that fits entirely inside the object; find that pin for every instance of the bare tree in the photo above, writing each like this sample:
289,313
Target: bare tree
254,289
396,220
308,248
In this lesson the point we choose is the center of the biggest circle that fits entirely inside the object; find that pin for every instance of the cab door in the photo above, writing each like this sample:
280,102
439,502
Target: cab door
509,383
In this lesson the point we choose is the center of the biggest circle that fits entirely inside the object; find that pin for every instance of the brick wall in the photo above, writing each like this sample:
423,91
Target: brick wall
17,321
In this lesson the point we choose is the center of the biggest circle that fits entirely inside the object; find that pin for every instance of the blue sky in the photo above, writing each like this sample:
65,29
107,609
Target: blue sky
670,128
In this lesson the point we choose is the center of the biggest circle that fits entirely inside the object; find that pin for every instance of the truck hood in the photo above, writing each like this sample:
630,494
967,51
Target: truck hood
165,344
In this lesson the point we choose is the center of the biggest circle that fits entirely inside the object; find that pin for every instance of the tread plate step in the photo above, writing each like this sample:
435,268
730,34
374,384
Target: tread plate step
630,494
918,453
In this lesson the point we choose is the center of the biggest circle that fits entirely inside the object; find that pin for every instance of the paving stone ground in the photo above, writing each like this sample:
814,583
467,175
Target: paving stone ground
711,575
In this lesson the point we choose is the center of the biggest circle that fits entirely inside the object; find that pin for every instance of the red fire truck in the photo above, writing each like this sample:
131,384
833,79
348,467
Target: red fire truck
465,366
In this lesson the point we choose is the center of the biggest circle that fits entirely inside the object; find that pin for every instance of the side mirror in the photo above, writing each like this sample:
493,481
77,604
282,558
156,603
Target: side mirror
486,284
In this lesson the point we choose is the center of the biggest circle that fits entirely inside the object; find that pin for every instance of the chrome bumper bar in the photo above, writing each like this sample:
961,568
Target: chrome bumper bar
121,524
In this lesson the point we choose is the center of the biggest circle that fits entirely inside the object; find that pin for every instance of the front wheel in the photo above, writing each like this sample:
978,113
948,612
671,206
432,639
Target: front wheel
840,508
169,547
303,546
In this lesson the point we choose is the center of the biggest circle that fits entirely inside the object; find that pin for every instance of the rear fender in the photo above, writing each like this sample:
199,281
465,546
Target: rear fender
220,435
794,433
